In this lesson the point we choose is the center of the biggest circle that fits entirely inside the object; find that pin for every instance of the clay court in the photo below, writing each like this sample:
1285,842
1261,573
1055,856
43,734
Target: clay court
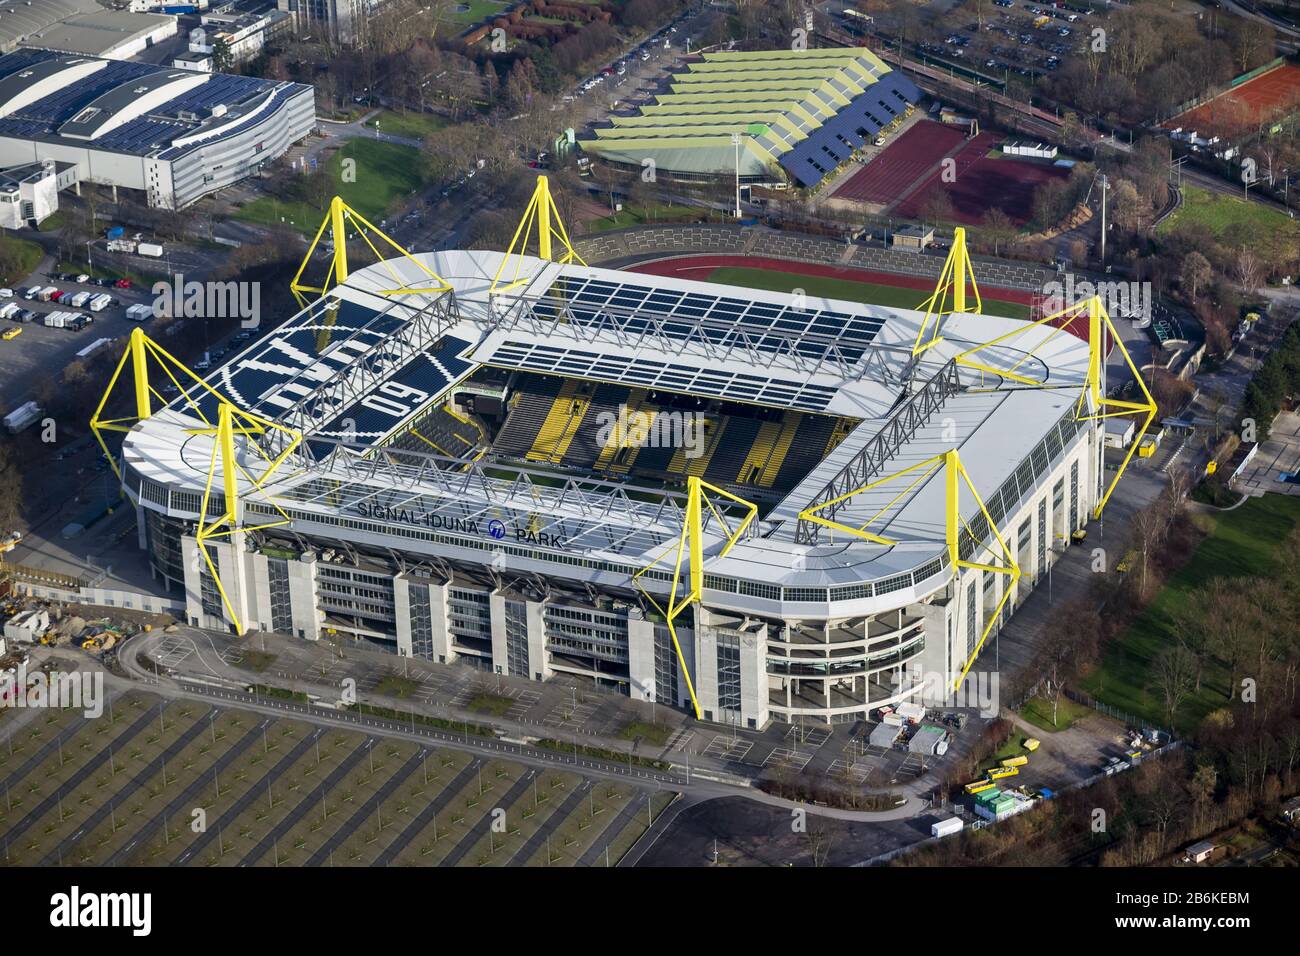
905,161
1269,96
982,183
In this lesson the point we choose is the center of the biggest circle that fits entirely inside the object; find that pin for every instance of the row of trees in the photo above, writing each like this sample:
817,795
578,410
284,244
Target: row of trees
1276,380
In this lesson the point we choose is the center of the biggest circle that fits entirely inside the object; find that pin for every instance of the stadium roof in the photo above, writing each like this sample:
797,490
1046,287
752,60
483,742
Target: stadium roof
322,371
118,106
798,111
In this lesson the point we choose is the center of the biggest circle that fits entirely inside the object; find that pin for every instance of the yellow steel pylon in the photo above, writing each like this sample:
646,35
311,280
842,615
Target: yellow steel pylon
690,550
1093,404
232,421
143,353
540,216
957,273
338,219
954,474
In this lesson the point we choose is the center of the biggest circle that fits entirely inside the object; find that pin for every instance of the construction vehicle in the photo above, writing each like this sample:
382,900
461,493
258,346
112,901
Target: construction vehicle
91,644
1079,536
11,333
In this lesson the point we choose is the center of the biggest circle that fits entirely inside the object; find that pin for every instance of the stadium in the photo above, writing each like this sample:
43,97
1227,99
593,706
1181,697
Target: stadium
772,116
754,505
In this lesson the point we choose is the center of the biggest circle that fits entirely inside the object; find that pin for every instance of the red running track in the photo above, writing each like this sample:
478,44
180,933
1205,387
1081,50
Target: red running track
903,162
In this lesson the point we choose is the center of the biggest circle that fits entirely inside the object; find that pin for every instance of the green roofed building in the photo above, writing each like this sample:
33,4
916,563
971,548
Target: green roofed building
798,114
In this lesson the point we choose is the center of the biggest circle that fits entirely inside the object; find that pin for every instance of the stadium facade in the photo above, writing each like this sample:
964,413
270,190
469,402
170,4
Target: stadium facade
796,115
476,480
175,135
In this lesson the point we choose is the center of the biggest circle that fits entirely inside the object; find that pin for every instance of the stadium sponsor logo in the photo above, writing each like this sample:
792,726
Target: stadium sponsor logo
74,909
213,300
76,690
495,528
1128,300
632,428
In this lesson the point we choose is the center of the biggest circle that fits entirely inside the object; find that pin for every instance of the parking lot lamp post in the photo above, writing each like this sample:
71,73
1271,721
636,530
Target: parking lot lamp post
735,141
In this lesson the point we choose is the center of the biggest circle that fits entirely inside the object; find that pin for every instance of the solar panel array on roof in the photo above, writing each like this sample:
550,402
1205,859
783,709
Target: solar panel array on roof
152,131
722,320
669,376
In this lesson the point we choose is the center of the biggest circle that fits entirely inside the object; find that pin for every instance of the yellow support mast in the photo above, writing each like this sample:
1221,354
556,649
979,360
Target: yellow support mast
690,551
954,476
542,218
146,355
958,272
1093,403
339,219
232,422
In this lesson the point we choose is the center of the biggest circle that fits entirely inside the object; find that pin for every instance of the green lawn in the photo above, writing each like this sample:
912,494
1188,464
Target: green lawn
1242,544
469,12
411,124
649,215
847,289
384,173
1038,712
20,257
1221,213
655,734
494,705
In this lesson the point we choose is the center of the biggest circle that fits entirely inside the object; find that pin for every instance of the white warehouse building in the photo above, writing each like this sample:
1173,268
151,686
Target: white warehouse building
460,493
175,135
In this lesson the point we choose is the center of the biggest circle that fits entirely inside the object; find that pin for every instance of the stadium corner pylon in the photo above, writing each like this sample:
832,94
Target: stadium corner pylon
337,220
540,217
957,273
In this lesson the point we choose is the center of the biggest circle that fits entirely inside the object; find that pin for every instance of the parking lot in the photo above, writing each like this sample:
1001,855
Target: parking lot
1022,39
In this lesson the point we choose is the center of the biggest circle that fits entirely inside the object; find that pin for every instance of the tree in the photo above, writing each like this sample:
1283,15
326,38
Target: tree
997,227
1196,272
1175,675
222,59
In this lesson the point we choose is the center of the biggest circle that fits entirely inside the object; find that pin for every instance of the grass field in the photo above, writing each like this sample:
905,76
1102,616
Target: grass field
849,290
1038,712
385,173
183,783
414,125
1242,544
19,256
647,215
467,12
1222,213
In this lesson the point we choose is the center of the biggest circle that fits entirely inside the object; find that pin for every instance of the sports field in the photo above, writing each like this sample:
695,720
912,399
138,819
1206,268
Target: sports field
1243,543
981,183
904,161
833,282
1269,96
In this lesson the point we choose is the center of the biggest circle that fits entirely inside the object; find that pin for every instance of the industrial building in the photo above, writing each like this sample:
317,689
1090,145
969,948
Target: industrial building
174,135
81,26
29,194
712,497
773,116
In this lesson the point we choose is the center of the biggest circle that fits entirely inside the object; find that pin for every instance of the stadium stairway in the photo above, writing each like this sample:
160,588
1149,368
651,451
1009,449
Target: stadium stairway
640,424
528,410
790,425
759,453
560,425
585,449
808,446
735,439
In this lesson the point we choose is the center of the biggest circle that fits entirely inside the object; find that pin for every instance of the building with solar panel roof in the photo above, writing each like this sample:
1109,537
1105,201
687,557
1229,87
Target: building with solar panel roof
771,116
505,474
173,134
